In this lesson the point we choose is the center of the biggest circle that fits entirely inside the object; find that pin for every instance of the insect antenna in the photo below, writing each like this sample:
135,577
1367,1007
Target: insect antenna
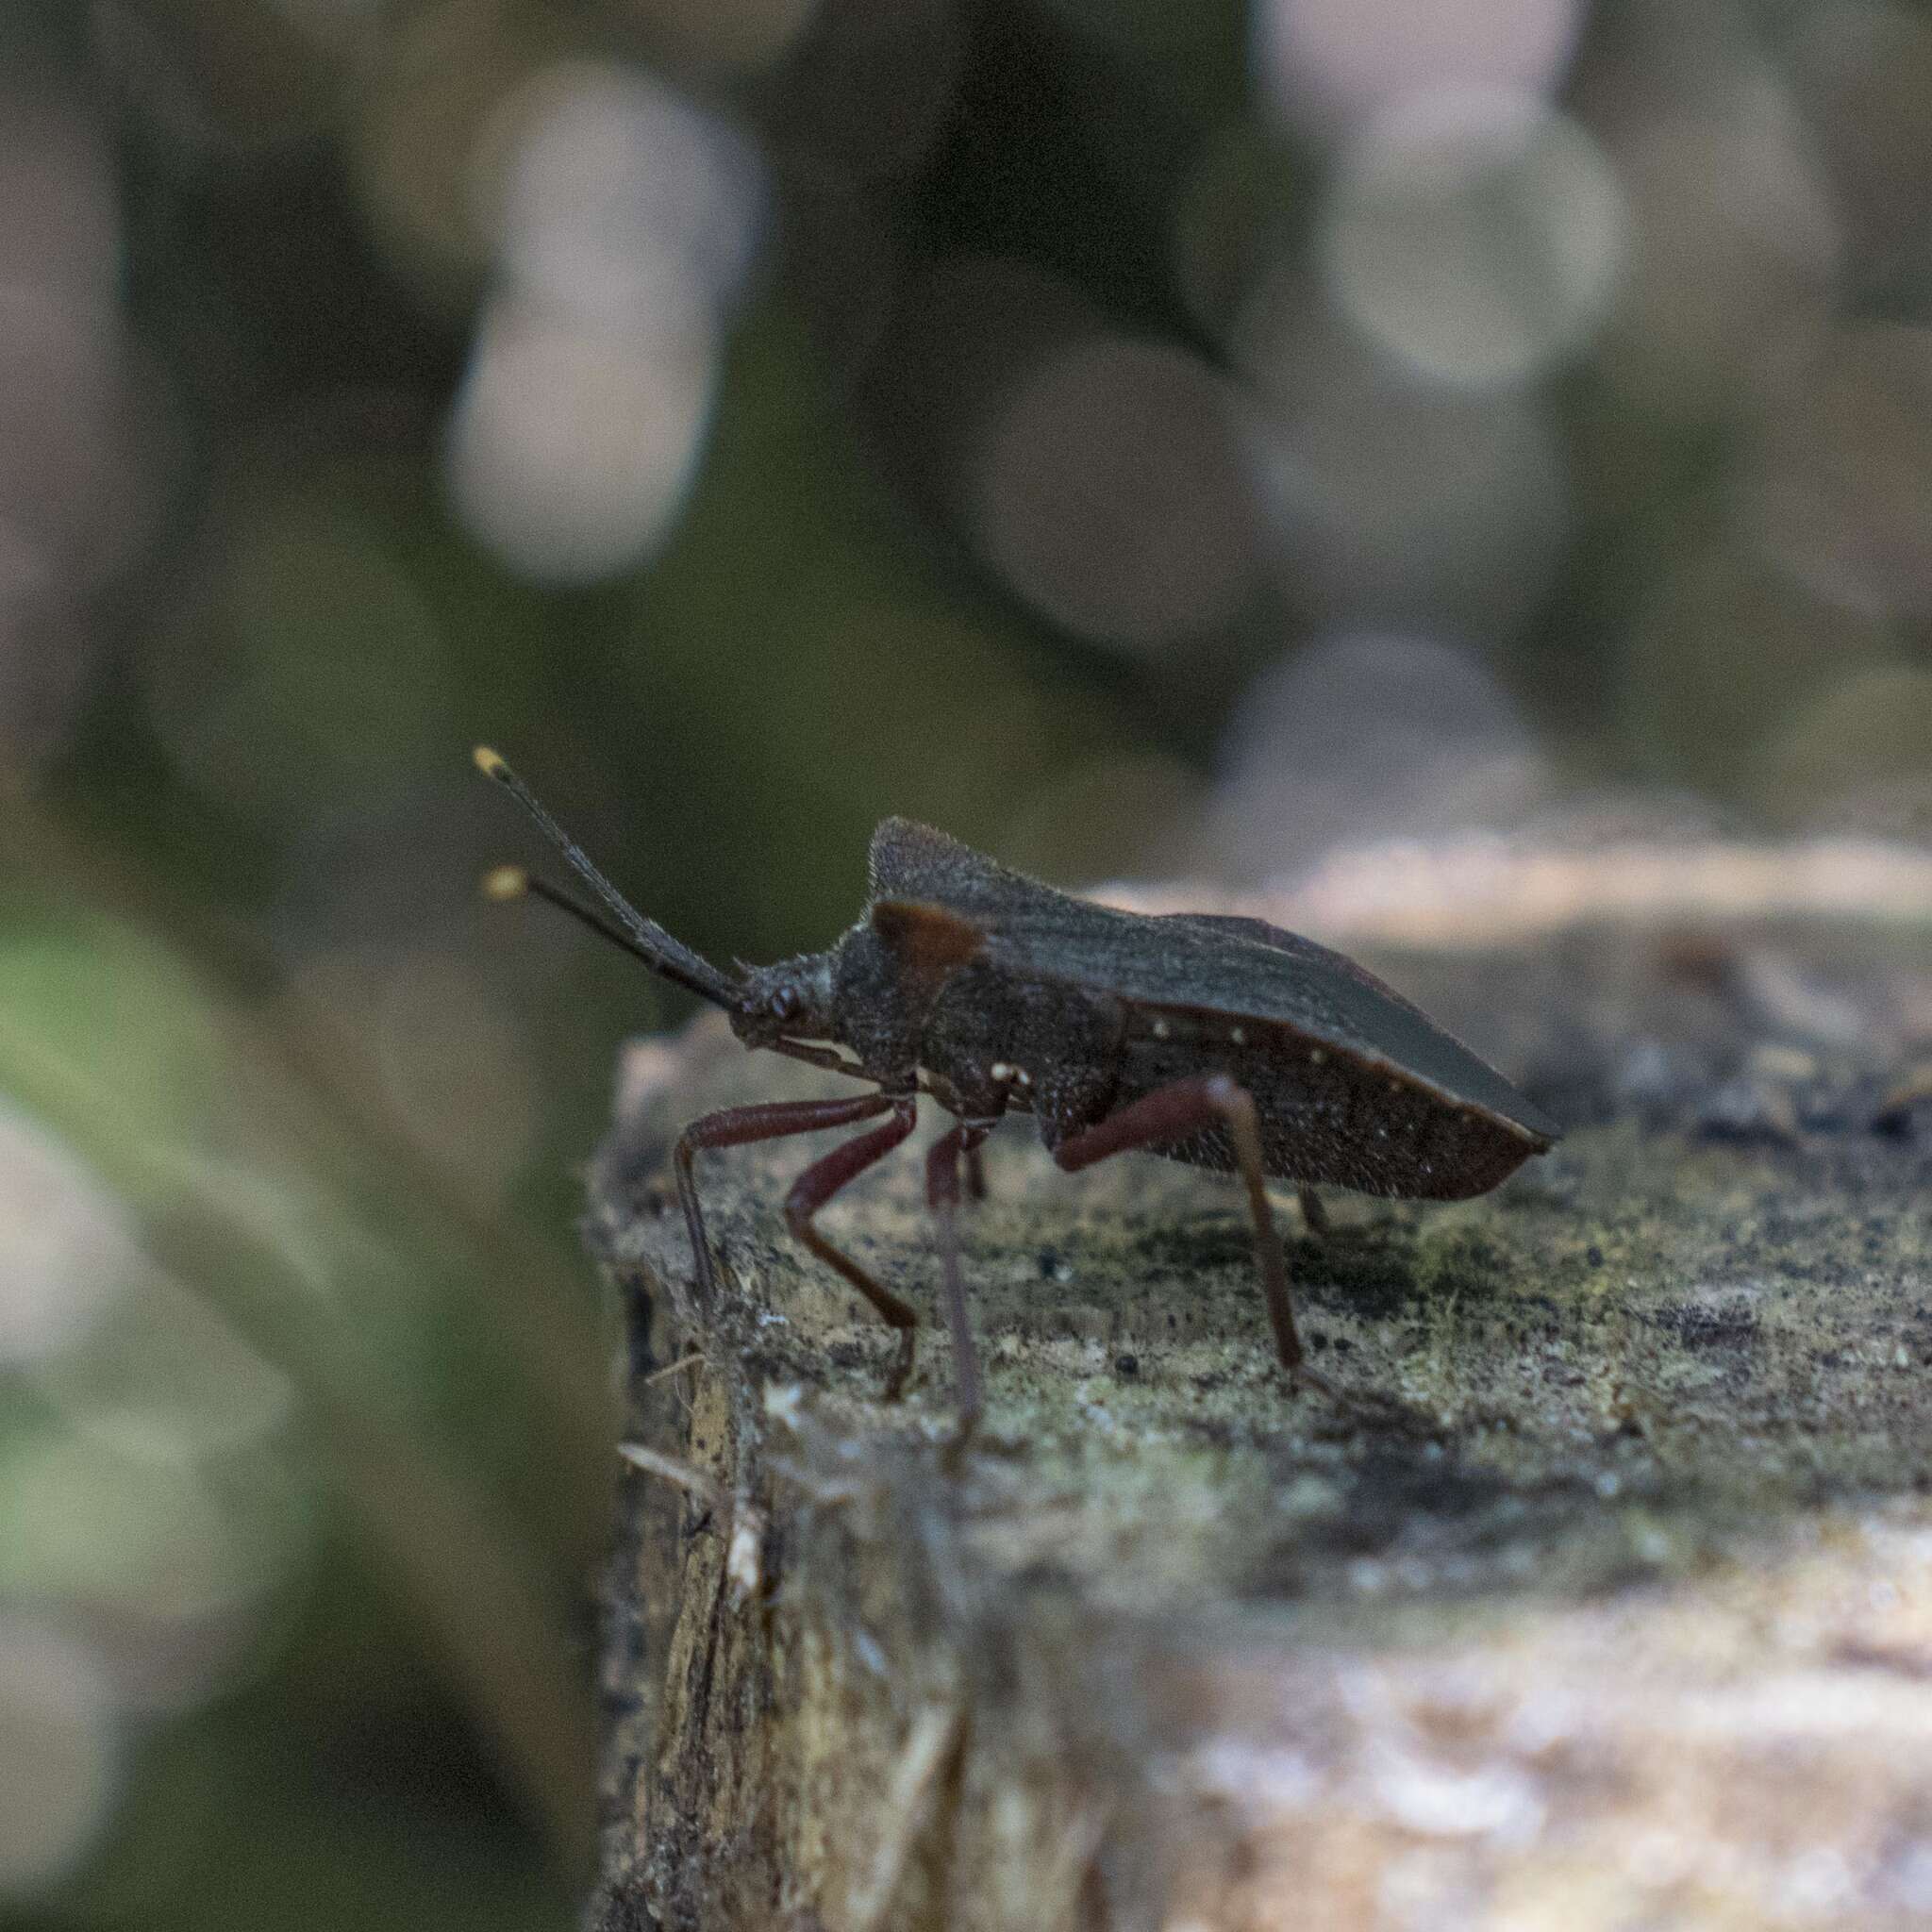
644,938
504,883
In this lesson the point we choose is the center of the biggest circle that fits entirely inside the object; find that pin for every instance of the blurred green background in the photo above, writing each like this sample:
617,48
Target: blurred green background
1137,435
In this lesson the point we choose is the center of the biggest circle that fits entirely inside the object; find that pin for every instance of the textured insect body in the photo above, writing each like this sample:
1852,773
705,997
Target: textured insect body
1224,1042
1090,1009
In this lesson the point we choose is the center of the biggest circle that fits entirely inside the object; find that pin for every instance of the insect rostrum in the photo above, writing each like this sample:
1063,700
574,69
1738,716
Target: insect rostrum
1224,1042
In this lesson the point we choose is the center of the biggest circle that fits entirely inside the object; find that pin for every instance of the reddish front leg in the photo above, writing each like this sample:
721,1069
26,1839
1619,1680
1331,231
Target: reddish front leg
738,1125
1177,1112
943,1197
735,1126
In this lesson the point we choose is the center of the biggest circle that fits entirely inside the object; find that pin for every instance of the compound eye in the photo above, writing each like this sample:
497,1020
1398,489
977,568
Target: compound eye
783,1003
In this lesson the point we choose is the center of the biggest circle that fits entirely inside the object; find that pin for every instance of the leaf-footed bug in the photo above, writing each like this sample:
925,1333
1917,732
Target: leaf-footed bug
1224,1042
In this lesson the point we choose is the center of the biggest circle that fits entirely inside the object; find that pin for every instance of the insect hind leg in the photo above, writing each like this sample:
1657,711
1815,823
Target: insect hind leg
1178,1111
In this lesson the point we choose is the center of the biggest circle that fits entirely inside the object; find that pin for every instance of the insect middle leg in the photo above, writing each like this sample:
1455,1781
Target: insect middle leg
942,1196
1177,1112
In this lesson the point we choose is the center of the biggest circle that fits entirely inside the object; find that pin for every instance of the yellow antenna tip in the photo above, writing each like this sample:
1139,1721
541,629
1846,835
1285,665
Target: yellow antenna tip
506,881
489,763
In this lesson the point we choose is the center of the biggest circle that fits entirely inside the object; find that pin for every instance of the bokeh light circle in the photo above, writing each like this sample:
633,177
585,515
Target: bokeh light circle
66,1250
171,1560
1364,736
1736,250
1478,236
1326,64
59,1755
623,201
1840,487
1400,503
1110,491
168,1378
573,443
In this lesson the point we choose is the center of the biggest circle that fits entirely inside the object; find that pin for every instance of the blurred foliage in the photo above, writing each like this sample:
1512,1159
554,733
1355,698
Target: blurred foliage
1166,435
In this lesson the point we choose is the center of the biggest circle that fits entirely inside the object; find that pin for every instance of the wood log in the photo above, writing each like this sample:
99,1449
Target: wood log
1603,1597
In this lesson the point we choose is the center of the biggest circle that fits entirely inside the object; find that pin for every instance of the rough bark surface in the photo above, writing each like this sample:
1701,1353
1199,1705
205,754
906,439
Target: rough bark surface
1603,1599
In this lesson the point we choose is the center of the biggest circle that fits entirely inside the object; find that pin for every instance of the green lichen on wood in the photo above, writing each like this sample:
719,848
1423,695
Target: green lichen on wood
1647,1370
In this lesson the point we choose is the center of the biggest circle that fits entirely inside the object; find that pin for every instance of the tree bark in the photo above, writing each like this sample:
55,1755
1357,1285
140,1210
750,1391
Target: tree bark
1603,1596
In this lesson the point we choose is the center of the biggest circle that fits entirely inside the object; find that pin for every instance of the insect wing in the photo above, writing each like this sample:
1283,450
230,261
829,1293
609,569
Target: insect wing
1236,968
1396,1031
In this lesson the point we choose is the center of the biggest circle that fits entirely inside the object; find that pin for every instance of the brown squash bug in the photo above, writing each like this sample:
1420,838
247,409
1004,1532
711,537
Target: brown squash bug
1220,1041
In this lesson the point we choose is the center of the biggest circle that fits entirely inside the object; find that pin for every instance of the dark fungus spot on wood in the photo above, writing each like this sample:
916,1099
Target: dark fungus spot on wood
1376,1284
639,1354
1707,1325
1476,1273
1195,1245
